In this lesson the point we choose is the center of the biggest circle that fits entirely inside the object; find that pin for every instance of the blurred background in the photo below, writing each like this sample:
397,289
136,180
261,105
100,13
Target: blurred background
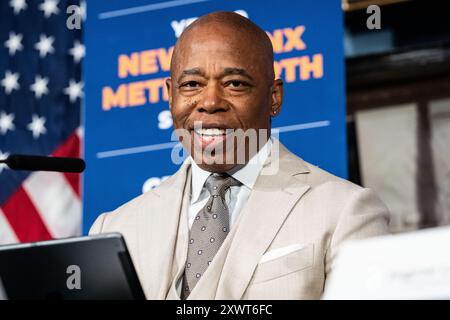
397,99
398,108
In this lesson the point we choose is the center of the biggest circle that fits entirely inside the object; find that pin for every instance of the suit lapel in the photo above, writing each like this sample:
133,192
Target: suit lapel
268,206
157,234
181,246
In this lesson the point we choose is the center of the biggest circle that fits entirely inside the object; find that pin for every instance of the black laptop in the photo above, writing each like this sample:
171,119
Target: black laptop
91,267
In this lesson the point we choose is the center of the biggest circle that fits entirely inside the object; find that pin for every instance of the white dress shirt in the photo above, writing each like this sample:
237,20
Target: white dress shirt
235,196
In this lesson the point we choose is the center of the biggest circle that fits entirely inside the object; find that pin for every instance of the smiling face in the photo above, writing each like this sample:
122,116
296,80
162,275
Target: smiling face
221,79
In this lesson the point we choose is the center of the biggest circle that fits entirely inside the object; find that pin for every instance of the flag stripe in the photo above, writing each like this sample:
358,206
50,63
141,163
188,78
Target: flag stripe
71,148
56,201
24,218
7,235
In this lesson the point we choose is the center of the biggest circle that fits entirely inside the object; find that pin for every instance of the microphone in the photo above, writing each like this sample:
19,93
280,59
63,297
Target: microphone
41,163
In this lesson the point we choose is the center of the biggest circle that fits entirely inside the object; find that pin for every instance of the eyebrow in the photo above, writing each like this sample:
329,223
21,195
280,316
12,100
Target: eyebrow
226,72
191,72
238,71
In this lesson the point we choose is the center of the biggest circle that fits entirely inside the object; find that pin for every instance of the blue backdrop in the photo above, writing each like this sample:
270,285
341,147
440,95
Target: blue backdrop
127,124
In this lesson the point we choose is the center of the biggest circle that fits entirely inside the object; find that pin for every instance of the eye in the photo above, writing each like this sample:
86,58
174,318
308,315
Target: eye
190,84
237,84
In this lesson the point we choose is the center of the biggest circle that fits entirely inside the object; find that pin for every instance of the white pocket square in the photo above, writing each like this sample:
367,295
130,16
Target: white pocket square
276,253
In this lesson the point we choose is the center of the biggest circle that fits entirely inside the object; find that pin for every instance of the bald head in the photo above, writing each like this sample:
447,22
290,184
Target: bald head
232,28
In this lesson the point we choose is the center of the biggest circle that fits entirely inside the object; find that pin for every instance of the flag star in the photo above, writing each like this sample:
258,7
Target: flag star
39,87
45,45
78,51
14,43
74,90
36,126
49,7
18,5
10,81
3,156
6,122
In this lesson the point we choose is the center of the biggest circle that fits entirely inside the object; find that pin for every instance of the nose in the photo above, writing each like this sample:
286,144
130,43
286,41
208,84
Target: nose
212,100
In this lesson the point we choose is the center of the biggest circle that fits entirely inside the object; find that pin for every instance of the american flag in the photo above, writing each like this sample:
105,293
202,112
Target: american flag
40,96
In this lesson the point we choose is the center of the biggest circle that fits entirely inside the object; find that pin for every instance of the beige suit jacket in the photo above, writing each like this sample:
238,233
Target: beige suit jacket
281,247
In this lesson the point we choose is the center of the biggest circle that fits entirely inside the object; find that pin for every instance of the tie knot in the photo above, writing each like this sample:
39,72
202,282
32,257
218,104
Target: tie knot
218,183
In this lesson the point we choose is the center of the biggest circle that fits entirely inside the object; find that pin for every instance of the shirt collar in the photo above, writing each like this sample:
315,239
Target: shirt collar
247,175
199,177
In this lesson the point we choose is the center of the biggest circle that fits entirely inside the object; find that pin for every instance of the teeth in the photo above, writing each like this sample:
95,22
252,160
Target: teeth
210,132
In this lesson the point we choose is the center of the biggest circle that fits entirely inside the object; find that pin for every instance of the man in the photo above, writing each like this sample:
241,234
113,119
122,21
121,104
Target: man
234,229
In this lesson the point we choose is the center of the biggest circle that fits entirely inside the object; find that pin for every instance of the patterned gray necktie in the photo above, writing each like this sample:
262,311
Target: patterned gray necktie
208,231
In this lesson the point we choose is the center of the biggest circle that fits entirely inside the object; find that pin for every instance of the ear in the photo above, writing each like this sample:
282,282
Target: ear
169,91
277,97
